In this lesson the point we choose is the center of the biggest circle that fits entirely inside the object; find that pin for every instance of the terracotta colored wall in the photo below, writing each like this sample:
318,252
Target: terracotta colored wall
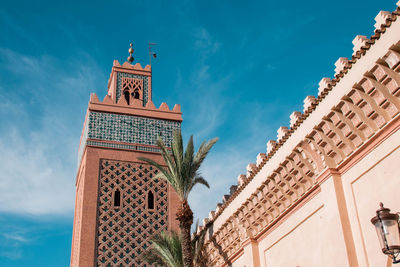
84,239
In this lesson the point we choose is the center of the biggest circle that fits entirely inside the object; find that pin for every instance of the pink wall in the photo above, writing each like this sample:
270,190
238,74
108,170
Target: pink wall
309,199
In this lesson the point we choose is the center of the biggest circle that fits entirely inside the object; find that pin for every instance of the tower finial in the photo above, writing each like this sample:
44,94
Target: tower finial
130,58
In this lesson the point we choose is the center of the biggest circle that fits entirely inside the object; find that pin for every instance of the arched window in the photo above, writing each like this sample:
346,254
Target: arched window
135,94
117,198
150,200
126,94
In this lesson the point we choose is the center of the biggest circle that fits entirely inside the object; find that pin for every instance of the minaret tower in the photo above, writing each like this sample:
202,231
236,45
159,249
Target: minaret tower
119,205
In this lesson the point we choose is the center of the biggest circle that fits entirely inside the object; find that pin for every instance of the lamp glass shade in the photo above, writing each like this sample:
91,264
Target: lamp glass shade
388,235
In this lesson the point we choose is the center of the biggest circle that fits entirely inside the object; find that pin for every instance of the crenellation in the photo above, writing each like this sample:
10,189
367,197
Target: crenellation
225,198
107,100
309,103
122,102
294,118
232,189
211,215
358,42
282,132
270,146
242,179
324,84
150,105
381,19
94,98
251,168
261,157
218,208
164,107
340,64
177,108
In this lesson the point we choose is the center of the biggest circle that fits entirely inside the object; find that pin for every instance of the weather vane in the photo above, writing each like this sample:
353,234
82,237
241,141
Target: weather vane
130,58
151,53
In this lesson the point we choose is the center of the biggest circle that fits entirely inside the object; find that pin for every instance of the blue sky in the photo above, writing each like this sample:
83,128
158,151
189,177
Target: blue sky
238,69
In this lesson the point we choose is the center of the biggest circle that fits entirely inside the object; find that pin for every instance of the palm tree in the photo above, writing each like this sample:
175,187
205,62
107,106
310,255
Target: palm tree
182,173
165,250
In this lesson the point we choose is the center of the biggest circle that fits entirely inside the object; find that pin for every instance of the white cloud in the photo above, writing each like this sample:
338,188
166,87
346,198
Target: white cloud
41,113
18,237
203,99
33,180
11,242
205,43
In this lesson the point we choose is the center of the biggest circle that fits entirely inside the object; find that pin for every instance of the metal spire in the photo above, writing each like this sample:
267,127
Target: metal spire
130,58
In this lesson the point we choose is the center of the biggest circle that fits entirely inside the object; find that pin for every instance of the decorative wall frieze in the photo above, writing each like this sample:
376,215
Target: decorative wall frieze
364,109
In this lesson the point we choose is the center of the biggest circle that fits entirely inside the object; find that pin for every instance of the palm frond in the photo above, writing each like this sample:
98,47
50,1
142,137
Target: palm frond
202,152
177,150
166,249
182,166
187,168
163,174
167,156
199,180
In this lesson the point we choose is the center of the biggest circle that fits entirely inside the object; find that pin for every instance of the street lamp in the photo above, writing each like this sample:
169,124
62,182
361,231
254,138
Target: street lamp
387,228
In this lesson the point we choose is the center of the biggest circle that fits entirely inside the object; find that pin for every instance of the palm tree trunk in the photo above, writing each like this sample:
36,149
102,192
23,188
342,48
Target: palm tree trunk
186,247
185,218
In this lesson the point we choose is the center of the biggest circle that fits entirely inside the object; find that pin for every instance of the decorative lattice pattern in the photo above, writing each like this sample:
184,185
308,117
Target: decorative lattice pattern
144,79
124,231
132,84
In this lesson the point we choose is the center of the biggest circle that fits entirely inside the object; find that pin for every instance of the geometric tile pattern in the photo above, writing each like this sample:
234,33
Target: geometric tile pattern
124,230
130,129
126,129
145,79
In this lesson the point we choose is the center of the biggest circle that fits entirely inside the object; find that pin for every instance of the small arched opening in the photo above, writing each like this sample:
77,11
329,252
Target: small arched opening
117,198
126,95
135,94
150,200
